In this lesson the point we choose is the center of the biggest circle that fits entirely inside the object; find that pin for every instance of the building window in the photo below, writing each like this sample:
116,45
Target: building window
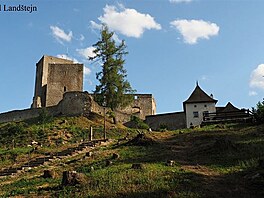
195,114
205,105
195,106
205,114
65,89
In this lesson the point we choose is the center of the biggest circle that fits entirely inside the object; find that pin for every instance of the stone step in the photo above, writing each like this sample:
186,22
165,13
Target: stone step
41,160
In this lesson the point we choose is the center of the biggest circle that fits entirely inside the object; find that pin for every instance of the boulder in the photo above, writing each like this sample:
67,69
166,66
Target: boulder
72,178
49,174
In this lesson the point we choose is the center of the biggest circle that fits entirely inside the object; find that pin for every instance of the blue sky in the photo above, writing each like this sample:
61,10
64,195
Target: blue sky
171,45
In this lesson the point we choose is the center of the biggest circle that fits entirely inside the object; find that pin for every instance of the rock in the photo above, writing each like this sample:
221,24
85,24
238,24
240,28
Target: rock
109,162
91,169
170,163
72,178
49,174
115,156
89,154
137,166
141,140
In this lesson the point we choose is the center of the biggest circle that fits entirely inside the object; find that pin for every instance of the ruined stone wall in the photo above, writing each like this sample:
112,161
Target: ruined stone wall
142,106
63,78
172,121
73,104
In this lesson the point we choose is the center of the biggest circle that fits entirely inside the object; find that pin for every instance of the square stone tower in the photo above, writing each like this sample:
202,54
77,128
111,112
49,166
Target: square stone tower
54,77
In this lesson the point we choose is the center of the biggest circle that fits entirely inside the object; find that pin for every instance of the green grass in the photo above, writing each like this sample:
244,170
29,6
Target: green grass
208,161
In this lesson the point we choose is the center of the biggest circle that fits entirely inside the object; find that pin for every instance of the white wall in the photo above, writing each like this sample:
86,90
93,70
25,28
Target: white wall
200,107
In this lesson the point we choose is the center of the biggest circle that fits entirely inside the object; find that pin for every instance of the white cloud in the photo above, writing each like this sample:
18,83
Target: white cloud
192,30
87,52
180,1
86,71
95,25
64,56
82,37
128,22
60,34
204,78
252,93
257,77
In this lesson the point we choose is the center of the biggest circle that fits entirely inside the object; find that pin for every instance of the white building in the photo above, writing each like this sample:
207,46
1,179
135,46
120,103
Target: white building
198,105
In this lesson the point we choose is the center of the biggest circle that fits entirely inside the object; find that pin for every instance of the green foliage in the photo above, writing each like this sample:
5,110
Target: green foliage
114,90
163,127
13,134
44,116
139,124
258,112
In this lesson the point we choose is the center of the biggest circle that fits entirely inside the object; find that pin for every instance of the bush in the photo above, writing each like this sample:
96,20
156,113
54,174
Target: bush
44,116
139,124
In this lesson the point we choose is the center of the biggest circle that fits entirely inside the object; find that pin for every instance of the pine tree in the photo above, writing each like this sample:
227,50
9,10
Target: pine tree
113,91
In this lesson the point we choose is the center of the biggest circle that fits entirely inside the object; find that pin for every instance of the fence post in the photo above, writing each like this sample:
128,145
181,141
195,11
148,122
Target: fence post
91,133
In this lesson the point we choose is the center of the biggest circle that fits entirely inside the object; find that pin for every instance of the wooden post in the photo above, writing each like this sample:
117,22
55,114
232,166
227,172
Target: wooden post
91,133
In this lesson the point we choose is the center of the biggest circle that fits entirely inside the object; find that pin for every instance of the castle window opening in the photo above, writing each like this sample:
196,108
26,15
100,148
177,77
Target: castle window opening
195,106
205,105
135,97
195,114
205,113
65,88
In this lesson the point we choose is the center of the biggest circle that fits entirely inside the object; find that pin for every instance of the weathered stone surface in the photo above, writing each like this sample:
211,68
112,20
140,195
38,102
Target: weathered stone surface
89,154
49,174
115,156
71,178
109,162
170,163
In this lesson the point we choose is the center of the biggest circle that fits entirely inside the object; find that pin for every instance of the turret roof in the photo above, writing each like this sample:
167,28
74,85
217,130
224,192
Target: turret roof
198,96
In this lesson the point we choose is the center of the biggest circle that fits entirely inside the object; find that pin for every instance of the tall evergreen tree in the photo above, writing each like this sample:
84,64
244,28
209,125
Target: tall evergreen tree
114,90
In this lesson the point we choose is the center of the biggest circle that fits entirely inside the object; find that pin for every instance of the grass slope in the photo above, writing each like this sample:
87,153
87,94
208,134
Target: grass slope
215,161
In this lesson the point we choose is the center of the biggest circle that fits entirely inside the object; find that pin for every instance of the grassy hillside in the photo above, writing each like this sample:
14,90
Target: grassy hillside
215,161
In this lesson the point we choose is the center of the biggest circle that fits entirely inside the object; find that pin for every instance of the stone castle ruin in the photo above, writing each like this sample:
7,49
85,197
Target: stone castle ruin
54,77
59,88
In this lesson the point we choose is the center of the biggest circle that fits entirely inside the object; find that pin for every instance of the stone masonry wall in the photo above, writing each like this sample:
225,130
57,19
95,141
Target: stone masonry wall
73,104
63,78
42,77
142,106
172,121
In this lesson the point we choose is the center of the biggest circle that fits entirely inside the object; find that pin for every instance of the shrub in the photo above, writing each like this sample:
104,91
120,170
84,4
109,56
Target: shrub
163,127
139,124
